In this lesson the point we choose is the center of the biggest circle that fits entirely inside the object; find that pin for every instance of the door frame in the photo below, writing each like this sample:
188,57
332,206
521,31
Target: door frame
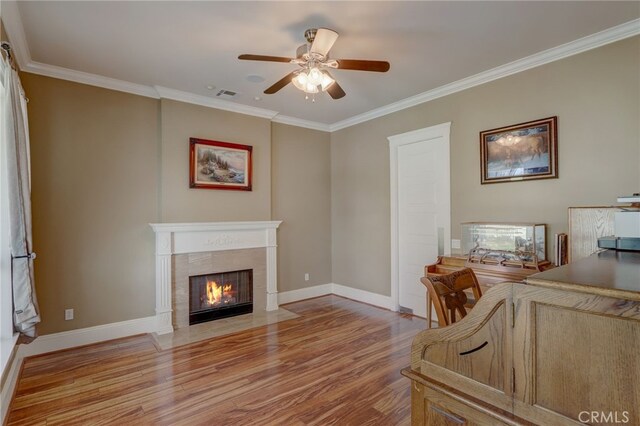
395,141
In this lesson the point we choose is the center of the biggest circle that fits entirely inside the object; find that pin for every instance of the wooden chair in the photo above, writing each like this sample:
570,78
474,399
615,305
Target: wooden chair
447,293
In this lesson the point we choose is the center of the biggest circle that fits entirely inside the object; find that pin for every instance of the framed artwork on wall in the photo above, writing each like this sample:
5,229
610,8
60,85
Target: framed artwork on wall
524,151
219,165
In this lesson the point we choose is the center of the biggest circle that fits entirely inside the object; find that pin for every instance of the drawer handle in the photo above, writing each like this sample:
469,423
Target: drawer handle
474,350
449,416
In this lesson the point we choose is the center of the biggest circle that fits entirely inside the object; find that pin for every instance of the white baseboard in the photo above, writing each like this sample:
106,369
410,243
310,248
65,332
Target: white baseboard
100,333
89,335
116,330
363,296
10,381
339,290
304,293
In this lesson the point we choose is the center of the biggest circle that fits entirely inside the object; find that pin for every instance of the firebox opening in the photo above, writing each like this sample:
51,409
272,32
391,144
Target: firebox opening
220,295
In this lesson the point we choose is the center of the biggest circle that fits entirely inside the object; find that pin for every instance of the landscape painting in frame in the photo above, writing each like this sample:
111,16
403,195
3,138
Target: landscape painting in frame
219,165
523,151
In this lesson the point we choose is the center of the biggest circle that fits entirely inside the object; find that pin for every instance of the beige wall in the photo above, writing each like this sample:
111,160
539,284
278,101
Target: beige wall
94,191
301,198
106,163
179,203
596,97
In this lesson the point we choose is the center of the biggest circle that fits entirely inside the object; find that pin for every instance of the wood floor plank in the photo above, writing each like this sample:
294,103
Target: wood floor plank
338,362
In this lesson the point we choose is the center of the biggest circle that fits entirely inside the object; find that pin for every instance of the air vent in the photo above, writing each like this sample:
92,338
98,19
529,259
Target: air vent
226,94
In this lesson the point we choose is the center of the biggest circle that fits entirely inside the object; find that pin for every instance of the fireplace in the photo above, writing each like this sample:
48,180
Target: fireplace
220,295
184,250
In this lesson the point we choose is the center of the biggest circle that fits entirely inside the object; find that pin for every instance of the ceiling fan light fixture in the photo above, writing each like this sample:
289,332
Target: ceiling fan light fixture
312,80
313,60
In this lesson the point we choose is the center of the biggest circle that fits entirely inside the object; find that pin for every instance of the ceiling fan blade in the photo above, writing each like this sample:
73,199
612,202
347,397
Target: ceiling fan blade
279,84
362,65
335,91
264,58
323,42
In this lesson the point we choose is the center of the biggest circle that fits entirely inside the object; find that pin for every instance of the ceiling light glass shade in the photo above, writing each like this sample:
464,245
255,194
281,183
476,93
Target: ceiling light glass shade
315,76
311,88
302,82
326,81
312,81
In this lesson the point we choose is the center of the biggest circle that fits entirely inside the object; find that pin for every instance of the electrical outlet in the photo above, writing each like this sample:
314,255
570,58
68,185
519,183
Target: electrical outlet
306,277
455,244
68,314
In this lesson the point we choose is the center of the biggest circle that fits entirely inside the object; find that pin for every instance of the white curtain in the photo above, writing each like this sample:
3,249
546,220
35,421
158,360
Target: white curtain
16,134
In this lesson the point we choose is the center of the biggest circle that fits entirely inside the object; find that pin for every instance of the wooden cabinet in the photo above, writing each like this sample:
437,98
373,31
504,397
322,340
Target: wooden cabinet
469,362
444,410
586,225
548,352
575,352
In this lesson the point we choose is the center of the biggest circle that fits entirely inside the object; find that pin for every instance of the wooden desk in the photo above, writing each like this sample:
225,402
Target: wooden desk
608,273
547,351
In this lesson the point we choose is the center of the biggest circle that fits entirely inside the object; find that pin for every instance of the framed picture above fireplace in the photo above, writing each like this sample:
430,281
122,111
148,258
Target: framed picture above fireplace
219,165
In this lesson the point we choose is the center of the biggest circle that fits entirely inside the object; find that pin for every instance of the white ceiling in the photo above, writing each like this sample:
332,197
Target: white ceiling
187,46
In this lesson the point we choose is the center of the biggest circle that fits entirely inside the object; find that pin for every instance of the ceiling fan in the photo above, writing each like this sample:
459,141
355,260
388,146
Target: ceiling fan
314,62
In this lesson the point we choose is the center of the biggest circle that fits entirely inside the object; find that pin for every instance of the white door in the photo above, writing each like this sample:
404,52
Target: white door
422,198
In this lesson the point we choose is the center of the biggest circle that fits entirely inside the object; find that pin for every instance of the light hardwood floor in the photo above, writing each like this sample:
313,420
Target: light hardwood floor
337,363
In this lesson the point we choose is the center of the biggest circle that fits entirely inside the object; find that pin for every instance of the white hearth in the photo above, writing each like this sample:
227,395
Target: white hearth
174,239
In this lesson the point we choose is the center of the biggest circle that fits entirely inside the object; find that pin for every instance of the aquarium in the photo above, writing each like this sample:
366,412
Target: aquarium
527,238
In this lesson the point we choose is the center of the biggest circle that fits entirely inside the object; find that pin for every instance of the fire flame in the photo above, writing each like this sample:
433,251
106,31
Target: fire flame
215,293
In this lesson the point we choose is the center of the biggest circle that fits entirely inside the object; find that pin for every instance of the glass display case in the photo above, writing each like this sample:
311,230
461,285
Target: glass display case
515,237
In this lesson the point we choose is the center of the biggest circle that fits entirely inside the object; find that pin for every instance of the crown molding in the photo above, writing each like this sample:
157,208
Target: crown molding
159,92
15,30
613,34
191,98
298,122
89,79
20,49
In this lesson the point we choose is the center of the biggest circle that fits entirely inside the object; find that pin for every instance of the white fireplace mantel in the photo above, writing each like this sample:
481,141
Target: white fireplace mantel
179,238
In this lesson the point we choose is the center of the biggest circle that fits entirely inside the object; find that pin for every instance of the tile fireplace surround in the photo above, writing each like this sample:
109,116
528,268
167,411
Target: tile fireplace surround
184,249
